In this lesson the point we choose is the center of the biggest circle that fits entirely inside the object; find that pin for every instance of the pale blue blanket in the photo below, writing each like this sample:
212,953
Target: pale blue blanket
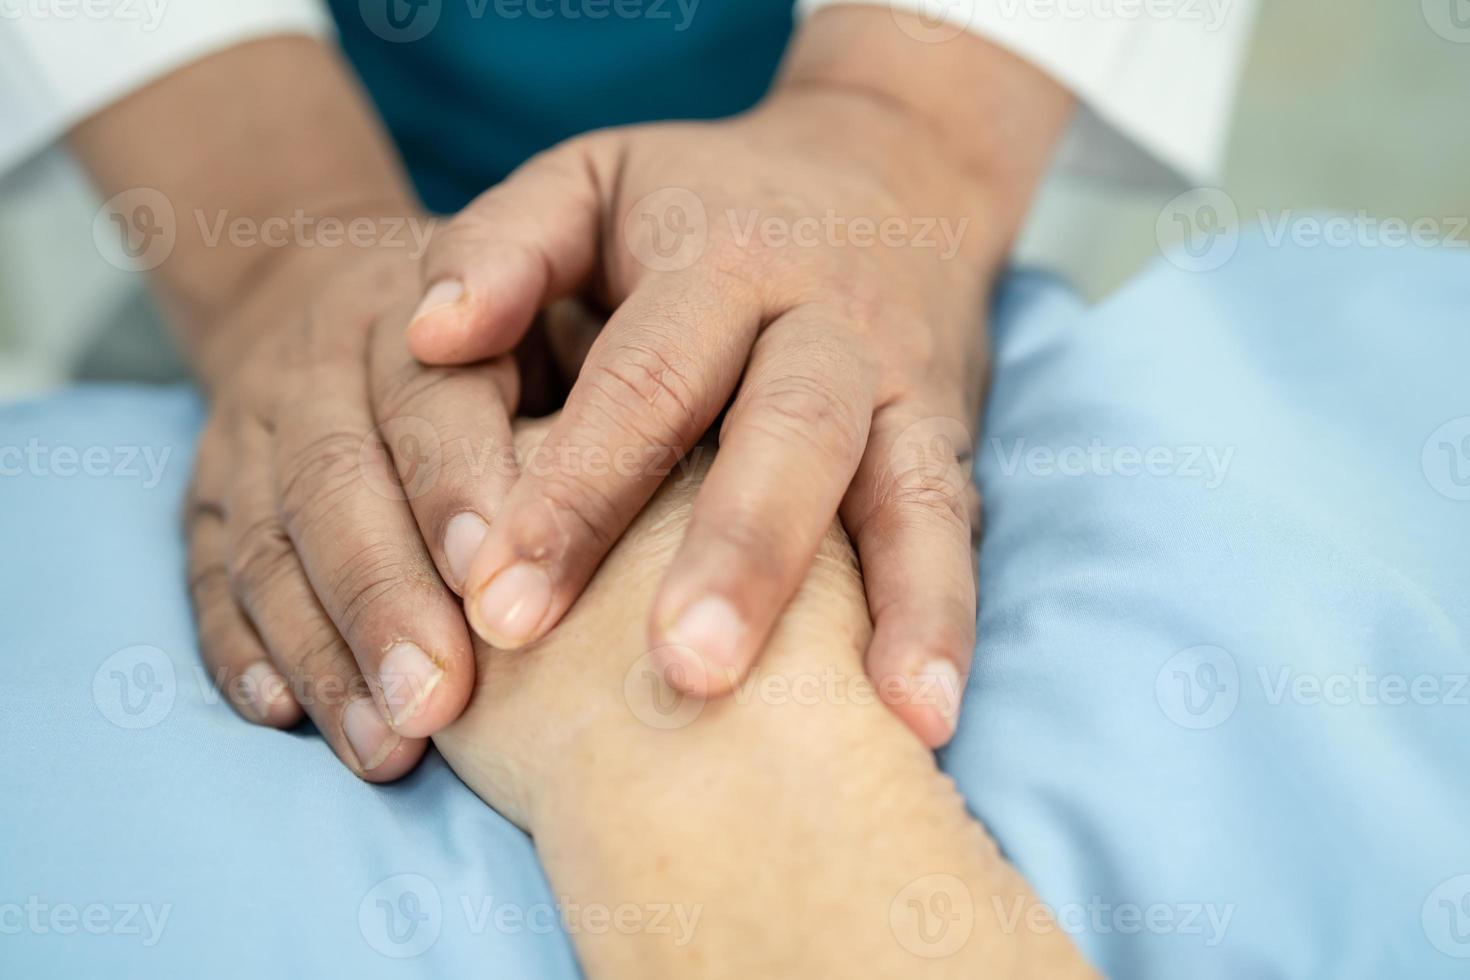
1219,715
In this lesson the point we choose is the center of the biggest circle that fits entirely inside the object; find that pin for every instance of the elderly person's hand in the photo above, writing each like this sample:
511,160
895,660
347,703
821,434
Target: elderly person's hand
821,265
819,851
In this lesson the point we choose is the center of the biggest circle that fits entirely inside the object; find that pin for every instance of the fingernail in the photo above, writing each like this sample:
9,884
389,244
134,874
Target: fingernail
461,541
407,677
712,629
371,739
513,604
938,683
263,689
445,292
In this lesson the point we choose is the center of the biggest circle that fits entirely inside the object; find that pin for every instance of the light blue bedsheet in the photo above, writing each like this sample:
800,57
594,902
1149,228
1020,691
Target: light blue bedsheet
1219,715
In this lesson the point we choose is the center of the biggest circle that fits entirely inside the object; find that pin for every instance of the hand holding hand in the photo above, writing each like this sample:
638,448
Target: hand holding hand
821,265
339,485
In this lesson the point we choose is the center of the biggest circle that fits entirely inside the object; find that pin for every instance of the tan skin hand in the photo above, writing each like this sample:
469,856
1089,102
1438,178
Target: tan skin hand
786,831
308,518
817,269
340,487
303,510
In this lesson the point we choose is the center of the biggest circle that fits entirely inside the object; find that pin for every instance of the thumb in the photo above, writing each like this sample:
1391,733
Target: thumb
529,240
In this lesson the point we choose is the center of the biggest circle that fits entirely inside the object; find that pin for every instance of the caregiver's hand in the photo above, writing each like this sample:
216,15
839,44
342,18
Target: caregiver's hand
323,525
824,261
339,486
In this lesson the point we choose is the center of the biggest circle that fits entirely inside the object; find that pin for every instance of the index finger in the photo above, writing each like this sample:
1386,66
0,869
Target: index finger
654,381
447,430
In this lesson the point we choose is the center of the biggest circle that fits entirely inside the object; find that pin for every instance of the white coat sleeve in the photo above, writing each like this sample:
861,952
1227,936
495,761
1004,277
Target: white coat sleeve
63,60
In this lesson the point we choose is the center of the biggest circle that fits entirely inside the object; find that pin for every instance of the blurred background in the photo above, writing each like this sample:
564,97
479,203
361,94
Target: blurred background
1345,105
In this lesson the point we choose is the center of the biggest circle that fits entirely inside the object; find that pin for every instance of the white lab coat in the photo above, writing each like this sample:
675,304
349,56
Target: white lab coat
1156,78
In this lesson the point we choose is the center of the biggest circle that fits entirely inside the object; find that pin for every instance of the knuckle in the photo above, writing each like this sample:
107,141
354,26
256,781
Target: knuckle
569,160
359,586
738,271
804,410
923,493
224,647
591,508
199,508
466,231
338,322
261,556
209,585
640,377
314,665
315,478
408,388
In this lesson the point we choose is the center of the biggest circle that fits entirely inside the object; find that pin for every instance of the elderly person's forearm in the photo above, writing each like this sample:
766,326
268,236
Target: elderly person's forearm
794,828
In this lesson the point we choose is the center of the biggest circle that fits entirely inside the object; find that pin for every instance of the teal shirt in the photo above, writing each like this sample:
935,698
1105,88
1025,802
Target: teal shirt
470,88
